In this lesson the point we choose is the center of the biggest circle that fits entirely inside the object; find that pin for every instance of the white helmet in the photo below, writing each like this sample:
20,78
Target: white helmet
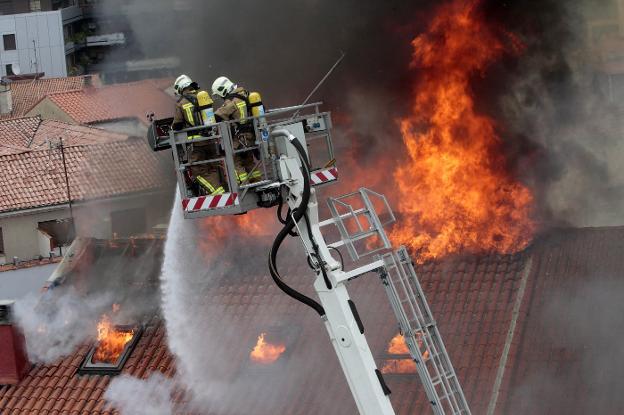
183,81
222,86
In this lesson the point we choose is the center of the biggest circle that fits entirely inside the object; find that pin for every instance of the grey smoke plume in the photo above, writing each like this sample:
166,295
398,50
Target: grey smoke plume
54,325
581,323
203,332
151,396
558,113
60,319
563,135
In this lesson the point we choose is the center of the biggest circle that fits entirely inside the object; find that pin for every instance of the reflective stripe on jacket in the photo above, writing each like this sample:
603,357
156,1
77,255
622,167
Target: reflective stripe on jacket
233,107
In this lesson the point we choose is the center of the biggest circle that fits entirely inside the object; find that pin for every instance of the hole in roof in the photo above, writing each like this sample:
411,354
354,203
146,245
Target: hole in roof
115,343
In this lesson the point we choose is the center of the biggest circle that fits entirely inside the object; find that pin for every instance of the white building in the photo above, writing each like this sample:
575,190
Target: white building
35,42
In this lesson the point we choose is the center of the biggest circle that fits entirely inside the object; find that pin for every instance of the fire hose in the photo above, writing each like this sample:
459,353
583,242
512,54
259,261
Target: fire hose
297,213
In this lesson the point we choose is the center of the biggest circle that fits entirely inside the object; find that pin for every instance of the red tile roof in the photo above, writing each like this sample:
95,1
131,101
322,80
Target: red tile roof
131,100
17,134
36,178
24,134
567,358
27,93
472,298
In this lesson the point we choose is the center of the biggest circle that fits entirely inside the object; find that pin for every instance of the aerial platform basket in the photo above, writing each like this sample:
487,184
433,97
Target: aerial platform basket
306,122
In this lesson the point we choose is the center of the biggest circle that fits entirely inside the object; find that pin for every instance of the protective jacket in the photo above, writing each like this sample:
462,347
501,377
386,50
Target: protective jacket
234,105
186,113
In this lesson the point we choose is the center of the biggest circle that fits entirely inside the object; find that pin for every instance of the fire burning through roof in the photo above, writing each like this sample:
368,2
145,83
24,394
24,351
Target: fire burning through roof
456,193
264,352
111,341
402,365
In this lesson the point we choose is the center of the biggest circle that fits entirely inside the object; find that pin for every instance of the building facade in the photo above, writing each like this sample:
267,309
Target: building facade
35,42
74,37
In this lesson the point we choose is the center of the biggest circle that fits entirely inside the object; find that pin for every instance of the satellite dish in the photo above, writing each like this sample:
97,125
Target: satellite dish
16,69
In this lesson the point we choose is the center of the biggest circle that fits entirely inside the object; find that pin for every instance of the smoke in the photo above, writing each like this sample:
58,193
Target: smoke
59,320
206,333
581,326
563,129
151,396
54,325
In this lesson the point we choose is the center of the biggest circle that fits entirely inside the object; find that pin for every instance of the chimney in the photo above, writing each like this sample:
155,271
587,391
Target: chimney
6,100
14,363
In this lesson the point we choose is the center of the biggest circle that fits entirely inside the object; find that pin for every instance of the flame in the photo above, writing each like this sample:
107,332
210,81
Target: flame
399,366
398,346
266,353
217,230
455,192
111,342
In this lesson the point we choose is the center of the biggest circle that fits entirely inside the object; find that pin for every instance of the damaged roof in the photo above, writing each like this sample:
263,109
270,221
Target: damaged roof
493,312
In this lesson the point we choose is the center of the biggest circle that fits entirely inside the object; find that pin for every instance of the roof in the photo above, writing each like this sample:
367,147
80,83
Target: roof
490,311
19,135
36,178
25,94
120,101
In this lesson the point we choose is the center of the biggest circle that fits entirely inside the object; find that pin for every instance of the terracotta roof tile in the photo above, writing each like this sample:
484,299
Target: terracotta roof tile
131,100
24,134
27,93
472,299
16,135
36,178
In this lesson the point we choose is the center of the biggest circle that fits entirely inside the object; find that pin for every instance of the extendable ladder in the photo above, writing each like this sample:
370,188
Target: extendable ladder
421,334
360,222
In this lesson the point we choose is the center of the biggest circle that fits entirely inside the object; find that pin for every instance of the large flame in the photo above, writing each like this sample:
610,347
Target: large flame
455,192
111,342
264,352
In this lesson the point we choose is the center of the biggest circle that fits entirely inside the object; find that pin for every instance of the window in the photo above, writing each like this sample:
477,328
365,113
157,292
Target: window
61,231
9,42
9,69
114,346
35,5
128,222
1,243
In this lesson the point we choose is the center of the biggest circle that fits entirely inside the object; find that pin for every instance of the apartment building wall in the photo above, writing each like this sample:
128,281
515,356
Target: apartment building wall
34,42
20,235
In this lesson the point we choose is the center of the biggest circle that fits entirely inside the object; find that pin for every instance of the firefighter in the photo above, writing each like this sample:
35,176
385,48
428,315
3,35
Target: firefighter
194,108
236,106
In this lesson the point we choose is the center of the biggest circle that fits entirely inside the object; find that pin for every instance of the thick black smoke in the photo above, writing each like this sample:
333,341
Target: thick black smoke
562,130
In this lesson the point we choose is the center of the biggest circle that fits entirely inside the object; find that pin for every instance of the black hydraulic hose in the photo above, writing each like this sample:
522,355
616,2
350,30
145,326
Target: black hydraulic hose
315,247
279,215
291,221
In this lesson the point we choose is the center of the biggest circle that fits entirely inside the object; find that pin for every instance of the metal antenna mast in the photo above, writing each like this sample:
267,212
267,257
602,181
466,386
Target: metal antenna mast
305,101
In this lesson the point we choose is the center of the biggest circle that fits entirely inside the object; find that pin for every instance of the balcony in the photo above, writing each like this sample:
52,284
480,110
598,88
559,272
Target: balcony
71,14
106,40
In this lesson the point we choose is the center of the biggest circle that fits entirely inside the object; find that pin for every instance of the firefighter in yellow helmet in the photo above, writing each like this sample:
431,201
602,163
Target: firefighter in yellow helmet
236,106
194,108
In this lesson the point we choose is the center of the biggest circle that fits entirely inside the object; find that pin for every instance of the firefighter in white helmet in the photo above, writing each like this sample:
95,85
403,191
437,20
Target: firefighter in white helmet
194,108
237,106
